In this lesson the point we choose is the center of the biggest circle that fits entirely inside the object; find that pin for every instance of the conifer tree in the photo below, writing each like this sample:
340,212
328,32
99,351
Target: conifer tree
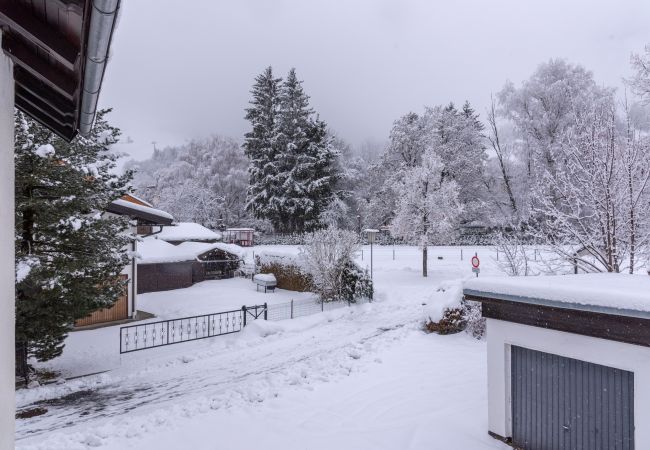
292,162
307,159
68,254
261,147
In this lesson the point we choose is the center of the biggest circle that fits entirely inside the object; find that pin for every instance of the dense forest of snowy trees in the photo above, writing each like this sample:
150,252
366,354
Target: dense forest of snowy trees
558,159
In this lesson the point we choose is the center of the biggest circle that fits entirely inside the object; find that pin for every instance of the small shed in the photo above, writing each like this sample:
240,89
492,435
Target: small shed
568,359
163,266
244,237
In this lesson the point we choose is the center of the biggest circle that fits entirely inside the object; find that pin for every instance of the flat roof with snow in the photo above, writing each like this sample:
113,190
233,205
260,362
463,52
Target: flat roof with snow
152,250
607,293
188,231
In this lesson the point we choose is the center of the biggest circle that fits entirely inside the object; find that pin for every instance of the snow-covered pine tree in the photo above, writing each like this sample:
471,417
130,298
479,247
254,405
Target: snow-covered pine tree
305,160
68,256
322,173
261,147
293,141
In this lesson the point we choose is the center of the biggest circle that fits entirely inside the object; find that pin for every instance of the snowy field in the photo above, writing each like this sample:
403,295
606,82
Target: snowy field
364,377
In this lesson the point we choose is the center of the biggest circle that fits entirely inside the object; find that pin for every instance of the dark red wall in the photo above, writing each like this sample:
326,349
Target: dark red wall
164,276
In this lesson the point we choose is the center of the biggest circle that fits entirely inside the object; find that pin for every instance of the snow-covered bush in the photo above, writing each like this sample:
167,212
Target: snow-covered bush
446,312
356,283
327,255
475,323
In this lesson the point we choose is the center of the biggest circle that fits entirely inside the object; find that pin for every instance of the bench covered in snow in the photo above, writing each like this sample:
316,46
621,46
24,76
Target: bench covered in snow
266,280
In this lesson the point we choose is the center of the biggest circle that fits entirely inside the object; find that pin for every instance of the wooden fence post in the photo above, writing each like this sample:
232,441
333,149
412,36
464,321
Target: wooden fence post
243,309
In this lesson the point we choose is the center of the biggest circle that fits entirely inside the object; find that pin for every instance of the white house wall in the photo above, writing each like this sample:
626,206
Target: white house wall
7,273
501,335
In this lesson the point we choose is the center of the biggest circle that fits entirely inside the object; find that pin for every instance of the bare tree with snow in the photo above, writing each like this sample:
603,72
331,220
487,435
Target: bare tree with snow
641,81
601,193
428,206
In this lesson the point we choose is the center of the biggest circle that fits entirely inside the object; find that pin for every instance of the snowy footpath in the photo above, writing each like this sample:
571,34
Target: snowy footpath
364,377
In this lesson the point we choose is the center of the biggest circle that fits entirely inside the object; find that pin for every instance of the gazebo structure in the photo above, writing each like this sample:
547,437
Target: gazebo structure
51,67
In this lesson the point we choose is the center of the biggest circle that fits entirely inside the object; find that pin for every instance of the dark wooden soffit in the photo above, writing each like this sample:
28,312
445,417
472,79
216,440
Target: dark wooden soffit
44,39
631,330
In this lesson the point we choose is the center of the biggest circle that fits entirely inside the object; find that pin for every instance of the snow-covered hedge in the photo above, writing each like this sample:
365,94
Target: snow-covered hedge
288,270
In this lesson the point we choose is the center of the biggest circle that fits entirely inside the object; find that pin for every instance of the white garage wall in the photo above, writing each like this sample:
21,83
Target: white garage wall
501,335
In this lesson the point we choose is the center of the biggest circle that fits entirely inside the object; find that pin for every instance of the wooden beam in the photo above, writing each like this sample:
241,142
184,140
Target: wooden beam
631,330
24,23
23,56
27,83
62,130
44,107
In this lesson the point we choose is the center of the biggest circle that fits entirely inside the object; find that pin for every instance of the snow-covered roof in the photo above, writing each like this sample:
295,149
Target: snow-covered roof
610,293
121,206
188,231
152,250
265,277
240,229
199,248
141,200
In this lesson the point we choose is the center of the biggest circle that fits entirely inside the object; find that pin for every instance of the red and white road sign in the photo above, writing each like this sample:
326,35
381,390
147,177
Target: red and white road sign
475,262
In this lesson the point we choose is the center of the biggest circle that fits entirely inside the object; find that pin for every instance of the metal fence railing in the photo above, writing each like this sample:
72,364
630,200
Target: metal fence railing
174,331
304,307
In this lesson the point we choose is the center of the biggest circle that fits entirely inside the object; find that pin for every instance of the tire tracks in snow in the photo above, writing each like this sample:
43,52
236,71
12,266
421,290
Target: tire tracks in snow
231,376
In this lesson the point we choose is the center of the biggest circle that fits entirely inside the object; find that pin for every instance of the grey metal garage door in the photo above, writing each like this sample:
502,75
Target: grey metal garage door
563,403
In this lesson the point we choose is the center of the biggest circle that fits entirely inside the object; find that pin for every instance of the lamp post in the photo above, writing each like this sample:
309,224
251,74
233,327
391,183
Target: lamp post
371,233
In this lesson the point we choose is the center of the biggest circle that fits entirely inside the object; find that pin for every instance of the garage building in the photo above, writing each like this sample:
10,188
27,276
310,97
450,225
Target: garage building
568,360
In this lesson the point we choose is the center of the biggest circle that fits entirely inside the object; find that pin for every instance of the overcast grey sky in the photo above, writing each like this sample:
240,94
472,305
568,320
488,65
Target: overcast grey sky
181,70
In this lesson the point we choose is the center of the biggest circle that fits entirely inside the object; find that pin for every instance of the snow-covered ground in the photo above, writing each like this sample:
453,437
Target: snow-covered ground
364,377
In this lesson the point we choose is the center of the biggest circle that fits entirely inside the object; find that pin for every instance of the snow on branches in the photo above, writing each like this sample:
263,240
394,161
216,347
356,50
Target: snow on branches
292,161
428,205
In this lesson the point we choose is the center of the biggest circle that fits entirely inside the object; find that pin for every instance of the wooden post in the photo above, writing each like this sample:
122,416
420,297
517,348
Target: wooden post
266,311
243,310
